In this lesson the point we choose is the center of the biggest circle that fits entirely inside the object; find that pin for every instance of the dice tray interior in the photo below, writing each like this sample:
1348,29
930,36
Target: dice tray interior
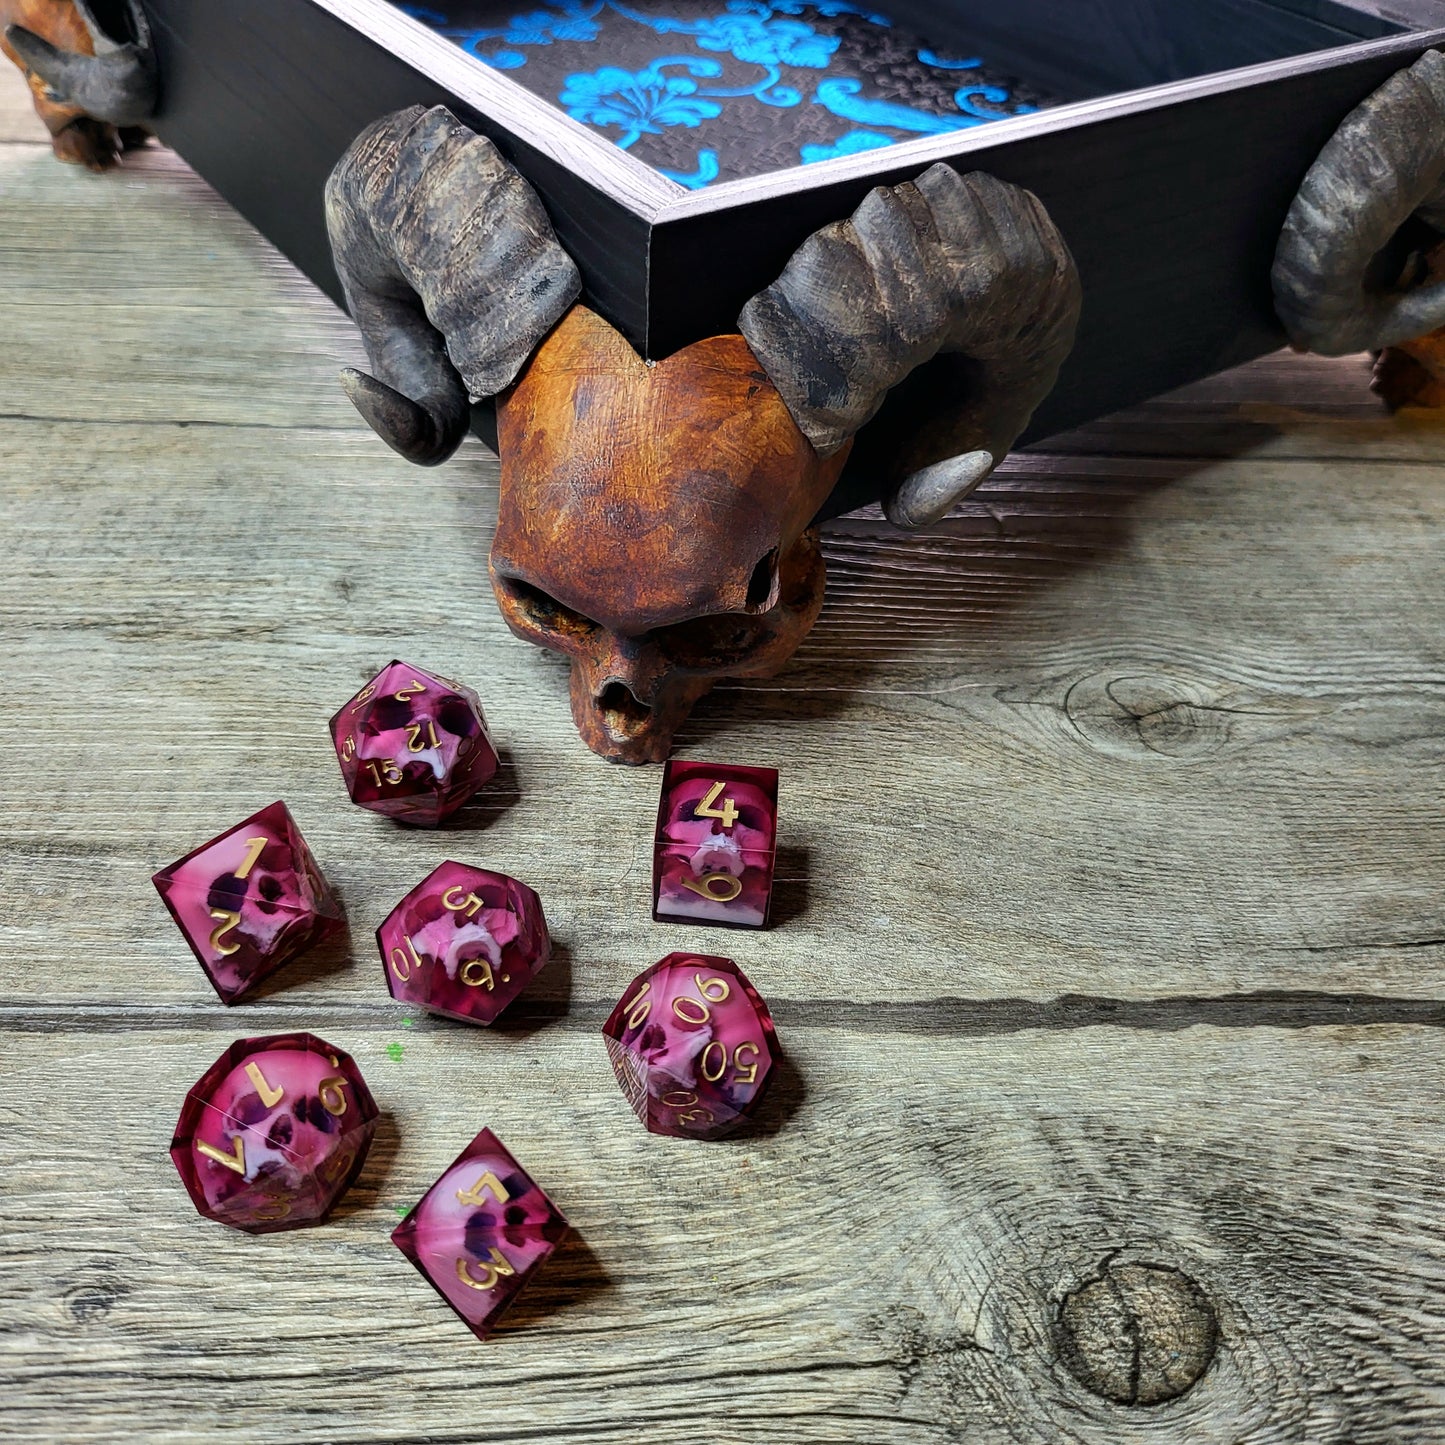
1169,141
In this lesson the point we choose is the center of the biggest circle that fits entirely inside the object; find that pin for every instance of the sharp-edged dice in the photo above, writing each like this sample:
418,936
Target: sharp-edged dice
249,900
412,745
464,942
274,1132
692,1044
481,1232
715,846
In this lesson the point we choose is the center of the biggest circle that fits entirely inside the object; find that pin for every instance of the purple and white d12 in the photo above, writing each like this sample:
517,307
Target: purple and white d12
274,1132
693,1045
464,942
413,746
481,1232
715,845
249,900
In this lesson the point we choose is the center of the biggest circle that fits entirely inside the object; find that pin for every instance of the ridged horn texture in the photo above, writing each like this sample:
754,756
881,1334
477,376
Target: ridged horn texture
1384,164
450,269
117,84
944,264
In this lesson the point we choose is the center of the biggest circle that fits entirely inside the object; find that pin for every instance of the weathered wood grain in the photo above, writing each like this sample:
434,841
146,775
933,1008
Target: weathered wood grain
1111,923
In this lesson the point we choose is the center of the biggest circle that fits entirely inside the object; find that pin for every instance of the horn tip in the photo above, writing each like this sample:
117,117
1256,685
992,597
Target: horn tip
927,495
408,427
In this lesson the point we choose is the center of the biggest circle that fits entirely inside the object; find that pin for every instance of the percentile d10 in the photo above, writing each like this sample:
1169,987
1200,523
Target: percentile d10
716,845
693,1046
413,746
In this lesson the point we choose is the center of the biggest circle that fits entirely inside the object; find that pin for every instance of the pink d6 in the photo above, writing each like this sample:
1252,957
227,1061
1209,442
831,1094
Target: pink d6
412,745
274,1132
249,900
692,1044
481,1232
464,942
715,844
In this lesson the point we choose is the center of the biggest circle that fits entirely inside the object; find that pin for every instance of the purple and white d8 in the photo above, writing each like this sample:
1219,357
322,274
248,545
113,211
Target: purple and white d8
481,1232
249,900
693,1045
412,745
464,942
274,1132
715,845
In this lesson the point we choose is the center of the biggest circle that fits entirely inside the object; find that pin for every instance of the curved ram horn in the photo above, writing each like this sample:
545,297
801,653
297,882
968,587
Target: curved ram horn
944,264
450,269
1384,164
116,84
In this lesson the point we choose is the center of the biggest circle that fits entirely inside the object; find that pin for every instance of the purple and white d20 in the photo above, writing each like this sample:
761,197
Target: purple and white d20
249,900
413,746
274,1133
693,1045
715,845
464,942
481,1232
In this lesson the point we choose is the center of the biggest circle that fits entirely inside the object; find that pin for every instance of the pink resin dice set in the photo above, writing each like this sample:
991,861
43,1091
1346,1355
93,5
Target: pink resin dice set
275,1132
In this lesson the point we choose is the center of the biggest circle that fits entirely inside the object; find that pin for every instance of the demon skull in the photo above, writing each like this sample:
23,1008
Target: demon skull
653,522
92,90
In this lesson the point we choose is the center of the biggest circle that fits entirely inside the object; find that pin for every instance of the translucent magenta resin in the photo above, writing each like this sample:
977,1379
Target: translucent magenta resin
464,942
481,1232
249,900
412,745
692,1044
715,845
274,1132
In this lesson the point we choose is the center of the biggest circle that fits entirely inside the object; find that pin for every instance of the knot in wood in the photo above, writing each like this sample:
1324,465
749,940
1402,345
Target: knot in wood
1137,1334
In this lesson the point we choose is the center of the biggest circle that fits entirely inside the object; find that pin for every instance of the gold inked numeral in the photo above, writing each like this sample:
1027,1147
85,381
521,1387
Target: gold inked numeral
399,963
703,887
387,772
410,690
487,1181
364,696
751,1076
270,1096
712,1075
468,904
229,920
333,1169
236,1159
276,1209
490,1273
706,809
678,1099
713,989
478,972
254,848
332,1099
348,749
640,1007
697,1116
414,743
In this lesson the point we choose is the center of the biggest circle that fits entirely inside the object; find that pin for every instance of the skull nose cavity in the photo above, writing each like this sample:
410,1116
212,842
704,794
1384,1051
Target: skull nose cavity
623,715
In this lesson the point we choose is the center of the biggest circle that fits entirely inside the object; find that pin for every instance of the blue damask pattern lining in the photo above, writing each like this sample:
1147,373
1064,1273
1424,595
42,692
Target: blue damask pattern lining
760,84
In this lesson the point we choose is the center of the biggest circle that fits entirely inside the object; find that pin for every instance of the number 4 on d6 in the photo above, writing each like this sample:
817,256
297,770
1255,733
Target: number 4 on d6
481,1232
715,845
692,1044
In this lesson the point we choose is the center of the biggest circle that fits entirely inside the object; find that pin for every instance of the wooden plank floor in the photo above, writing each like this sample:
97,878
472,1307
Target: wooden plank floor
1110,969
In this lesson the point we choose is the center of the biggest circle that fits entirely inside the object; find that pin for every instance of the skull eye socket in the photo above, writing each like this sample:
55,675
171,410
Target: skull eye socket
706,644
543,610
763,583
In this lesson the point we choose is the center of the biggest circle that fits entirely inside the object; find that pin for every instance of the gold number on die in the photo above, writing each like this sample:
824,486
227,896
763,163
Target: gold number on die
235,1160
254,848
715,887
228,921
490,1273
706,809
488,1181
270,1096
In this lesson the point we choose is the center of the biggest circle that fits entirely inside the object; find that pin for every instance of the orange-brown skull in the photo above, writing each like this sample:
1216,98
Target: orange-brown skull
653,526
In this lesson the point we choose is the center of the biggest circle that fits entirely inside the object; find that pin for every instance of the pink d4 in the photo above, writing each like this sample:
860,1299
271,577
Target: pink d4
274,1132
692,1044
715,844
464,942
412,745
249,900
481,1232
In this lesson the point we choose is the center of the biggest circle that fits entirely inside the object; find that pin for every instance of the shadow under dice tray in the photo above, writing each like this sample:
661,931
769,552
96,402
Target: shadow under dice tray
705,91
